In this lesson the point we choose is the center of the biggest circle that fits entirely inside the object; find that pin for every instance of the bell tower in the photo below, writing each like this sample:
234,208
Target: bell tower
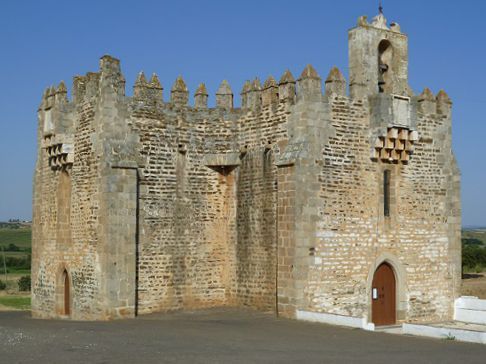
378,58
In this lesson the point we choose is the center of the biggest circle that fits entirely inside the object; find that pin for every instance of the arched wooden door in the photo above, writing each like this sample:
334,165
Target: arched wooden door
67,299
383,296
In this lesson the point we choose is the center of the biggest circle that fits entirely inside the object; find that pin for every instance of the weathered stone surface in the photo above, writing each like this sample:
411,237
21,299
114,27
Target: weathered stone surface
151,206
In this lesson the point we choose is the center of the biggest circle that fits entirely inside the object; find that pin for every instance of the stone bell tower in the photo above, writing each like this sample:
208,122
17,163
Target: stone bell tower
378,58
378,71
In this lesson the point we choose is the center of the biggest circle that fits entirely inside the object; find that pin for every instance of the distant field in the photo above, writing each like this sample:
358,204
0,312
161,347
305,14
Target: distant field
17,262
20,236
474,236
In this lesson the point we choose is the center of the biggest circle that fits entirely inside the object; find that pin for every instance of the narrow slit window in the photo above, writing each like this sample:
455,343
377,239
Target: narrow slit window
386,193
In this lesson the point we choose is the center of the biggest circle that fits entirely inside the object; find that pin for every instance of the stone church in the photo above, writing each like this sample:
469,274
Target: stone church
329,201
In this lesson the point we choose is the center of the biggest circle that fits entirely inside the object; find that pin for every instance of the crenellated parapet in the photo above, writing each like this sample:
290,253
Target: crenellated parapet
254,96
387,110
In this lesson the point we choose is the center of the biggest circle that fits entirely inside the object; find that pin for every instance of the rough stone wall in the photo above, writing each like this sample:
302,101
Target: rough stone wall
207,232
65,226
187,210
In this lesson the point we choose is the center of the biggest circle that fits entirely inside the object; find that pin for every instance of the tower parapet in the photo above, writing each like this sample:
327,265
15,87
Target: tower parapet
92,85
309,85
179,94
61,94
427,102
444,103
156,89
270,91
224,96
201,97
79,88
140,87
244,94
286,87
255,94
111,80
335,83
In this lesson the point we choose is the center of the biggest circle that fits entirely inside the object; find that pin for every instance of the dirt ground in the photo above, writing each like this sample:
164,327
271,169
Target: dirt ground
474,285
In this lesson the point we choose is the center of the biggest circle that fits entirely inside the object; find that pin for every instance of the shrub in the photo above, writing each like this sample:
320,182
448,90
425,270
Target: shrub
18,263
12,248
3,285
471,241
473,256
24,283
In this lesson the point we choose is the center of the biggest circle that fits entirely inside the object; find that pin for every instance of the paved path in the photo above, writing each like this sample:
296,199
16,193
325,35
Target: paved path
215,336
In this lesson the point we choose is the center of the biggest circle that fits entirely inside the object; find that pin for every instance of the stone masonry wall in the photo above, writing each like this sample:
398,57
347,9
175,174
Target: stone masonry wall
259,135
187,212
353,236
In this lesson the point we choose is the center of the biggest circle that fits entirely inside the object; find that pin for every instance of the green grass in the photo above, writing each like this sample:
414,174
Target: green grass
15,254
21,237
10,270
18,302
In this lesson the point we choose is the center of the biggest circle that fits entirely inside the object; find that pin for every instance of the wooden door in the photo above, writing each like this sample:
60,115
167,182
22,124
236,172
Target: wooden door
383,296
67,303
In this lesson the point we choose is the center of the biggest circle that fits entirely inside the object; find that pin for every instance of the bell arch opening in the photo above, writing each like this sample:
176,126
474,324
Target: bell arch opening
385,69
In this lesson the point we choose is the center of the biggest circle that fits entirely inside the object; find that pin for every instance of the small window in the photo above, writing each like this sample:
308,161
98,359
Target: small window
386,193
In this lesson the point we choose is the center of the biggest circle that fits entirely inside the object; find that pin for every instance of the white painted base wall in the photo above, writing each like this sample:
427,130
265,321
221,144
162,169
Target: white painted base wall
470,309
445,333
331,319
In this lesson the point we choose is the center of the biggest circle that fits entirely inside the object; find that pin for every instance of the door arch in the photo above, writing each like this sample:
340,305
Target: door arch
383,296
66,293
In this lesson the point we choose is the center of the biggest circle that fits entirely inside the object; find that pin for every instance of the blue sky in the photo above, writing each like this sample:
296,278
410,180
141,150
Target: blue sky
46,41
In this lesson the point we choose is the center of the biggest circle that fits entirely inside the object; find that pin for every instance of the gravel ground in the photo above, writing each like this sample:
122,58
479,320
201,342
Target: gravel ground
215,336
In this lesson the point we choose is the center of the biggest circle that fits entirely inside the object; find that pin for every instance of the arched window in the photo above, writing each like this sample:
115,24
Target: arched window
385,62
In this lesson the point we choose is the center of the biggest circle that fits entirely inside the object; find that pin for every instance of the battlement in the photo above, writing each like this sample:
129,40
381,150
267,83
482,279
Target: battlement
253,94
